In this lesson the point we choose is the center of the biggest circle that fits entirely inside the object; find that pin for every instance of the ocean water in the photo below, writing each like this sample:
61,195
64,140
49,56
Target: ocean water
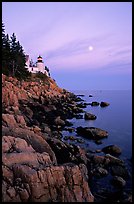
115,118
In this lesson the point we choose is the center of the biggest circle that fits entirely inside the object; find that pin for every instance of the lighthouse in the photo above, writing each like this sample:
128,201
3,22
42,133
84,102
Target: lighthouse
40,64
39,67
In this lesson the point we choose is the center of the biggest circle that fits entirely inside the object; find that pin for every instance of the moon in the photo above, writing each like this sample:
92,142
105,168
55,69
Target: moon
90,48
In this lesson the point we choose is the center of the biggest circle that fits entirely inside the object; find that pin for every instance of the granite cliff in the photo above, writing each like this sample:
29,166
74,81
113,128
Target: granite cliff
37,166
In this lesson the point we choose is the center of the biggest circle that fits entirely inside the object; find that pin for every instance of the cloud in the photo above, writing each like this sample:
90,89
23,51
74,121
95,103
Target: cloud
76,47
121,52
76,56
116,68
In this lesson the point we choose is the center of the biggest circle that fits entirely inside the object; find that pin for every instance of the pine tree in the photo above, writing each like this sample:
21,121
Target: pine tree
13,54
18,59
3,45
3,33
5,52
21,70
13,57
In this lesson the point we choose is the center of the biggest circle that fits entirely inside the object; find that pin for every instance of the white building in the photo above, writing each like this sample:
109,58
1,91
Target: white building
38,67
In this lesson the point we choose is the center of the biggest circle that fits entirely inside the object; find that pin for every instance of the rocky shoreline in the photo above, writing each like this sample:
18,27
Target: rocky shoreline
37,165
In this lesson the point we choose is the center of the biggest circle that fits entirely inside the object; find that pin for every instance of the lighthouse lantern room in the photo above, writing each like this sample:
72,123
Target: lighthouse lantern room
40,64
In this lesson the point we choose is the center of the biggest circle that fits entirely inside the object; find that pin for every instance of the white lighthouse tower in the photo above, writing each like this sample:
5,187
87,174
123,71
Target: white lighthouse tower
39,67
40,64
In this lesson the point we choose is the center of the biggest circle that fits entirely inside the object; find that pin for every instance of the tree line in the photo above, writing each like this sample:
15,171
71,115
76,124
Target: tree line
13,57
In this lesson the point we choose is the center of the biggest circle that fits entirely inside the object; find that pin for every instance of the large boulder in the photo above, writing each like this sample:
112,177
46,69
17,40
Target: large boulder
29,176
17,151
112,149
95,103
118,181
103,104
114,160
92,132
89,116
100,172
37,142
11,144
121,171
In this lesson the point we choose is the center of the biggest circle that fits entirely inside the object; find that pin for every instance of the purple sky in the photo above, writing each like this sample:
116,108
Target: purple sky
62,33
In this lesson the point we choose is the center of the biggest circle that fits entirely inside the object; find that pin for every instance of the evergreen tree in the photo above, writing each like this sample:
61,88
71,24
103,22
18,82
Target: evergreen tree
3,33
5,52
13,54
3,45
21,69
13,57
18,59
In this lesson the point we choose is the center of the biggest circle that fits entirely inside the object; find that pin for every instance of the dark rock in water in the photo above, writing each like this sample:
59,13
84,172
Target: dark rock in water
121,171
103,104
114,160
107,160
69,129
67,123
100,172
80,140
90,95
87,103
98,150
71,138
89,116
96,159
95,103
82,105
79,116
82,95
92,132
98,142
118,181
78,99
112,149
